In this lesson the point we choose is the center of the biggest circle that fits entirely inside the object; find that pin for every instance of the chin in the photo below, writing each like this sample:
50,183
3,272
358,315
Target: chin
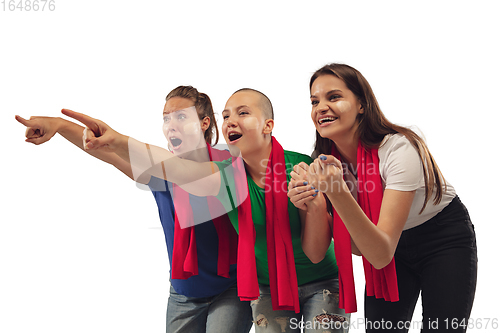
330,134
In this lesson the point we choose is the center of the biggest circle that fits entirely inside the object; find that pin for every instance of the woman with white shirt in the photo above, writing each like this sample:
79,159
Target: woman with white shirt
391,204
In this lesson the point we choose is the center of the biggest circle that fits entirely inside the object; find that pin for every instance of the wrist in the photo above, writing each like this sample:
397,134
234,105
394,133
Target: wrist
123,141
339,194
317,204
58,123
338,187
123,144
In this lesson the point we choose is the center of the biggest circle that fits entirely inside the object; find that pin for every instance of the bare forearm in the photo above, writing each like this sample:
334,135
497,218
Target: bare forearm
199,178
374,244
74,132
70,131
354,249
316,233
377,243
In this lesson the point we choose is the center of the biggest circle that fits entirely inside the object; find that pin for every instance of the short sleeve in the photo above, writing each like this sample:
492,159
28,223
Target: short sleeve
400,164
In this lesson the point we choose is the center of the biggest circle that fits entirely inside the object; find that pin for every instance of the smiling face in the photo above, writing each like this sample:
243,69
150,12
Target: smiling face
335,108
245,128
182,127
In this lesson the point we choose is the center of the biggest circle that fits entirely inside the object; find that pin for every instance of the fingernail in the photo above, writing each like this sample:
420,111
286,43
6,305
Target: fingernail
312,187
316,191
322,157
305,183
315,194
90,145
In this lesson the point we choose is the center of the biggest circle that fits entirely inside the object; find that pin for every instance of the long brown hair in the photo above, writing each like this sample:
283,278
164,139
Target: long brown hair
203,106
374,126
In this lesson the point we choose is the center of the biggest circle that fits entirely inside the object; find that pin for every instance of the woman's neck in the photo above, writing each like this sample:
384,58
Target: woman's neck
348,149
256,164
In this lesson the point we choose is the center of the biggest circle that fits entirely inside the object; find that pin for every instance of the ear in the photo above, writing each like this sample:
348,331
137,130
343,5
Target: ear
268,126
361,109
205,123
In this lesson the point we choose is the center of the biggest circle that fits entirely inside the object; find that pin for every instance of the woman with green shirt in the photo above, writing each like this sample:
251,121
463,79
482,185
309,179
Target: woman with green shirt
317,283
306,271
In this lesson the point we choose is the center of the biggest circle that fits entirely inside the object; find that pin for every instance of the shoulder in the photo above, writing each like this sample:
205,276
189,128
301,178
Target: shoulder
391,140
295,158
396,143
400,163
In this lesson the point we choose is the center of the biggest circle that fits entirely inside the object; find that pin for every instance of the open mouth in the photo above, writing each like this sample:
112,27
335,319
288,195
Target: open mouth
175,142
233,136
327,120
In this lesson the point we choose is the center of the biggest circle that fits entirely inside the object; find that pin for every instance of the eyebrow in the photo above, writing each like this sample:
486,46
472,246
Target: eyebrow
164,112
331,91
242,107
237,109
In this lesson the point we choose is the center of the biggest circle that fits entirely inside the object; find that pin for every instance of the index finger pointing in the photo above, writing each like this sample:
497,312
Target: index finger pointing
84,119
23,121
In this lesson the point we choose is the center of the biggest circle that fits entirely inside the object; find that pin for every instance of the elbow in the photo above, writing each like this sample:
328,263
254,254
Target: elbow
316,259
382,256
381,262
314,256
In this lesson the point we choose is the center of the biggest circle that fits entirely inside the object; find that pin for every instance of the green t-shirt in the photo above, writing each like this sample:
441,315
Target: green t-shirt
306,270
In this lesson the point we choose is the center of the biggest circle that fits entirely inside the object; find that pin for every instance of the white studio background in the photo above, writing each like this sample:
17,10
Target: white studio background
81,247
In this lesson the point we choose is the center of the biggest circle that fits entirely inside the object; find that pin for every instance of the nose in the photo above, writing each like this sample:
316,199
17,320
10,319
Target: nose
321,107
230,121
170,126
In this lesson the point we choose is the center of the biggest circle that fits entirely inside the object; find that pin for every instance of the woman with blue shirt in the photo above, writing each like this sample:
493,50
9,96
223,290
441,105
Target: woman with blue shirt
203,294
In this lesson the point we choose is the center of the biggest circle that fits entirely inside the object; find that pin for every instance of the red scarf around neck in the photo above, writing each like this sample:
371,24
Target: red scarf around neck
184,255
381,283
281,263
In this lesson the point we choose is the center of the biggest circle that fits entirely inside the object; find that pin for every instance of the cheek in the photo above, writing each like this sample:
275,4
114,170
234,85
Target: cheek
342,106
192,128
251,123
165,129
165,132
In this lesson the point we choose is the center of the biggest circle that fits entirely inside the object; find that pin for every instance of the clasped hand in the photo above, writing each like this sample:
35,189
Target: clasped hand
324,174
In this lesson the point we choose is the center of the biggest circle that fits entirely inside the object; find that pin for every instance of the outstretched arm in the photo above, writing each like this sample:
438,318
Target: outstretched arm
200,179
41,129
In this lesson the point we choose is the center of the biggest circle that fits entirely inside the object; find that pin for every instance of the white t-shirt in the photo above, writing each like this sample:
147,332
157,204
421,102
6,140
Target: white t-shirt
401,169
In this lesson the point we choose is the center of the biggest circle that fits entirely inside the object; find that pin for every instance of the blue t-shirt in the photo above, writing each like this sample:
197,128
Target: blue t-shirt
207,283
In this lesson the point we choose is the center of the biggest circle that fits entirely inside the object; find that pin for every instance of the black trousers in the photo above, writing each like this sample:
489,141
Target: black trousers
439,260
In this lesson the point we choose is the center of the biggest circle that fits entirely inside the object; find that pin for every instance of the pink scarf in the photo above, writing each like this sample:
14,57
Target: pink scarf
281,263
381,283
184,256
